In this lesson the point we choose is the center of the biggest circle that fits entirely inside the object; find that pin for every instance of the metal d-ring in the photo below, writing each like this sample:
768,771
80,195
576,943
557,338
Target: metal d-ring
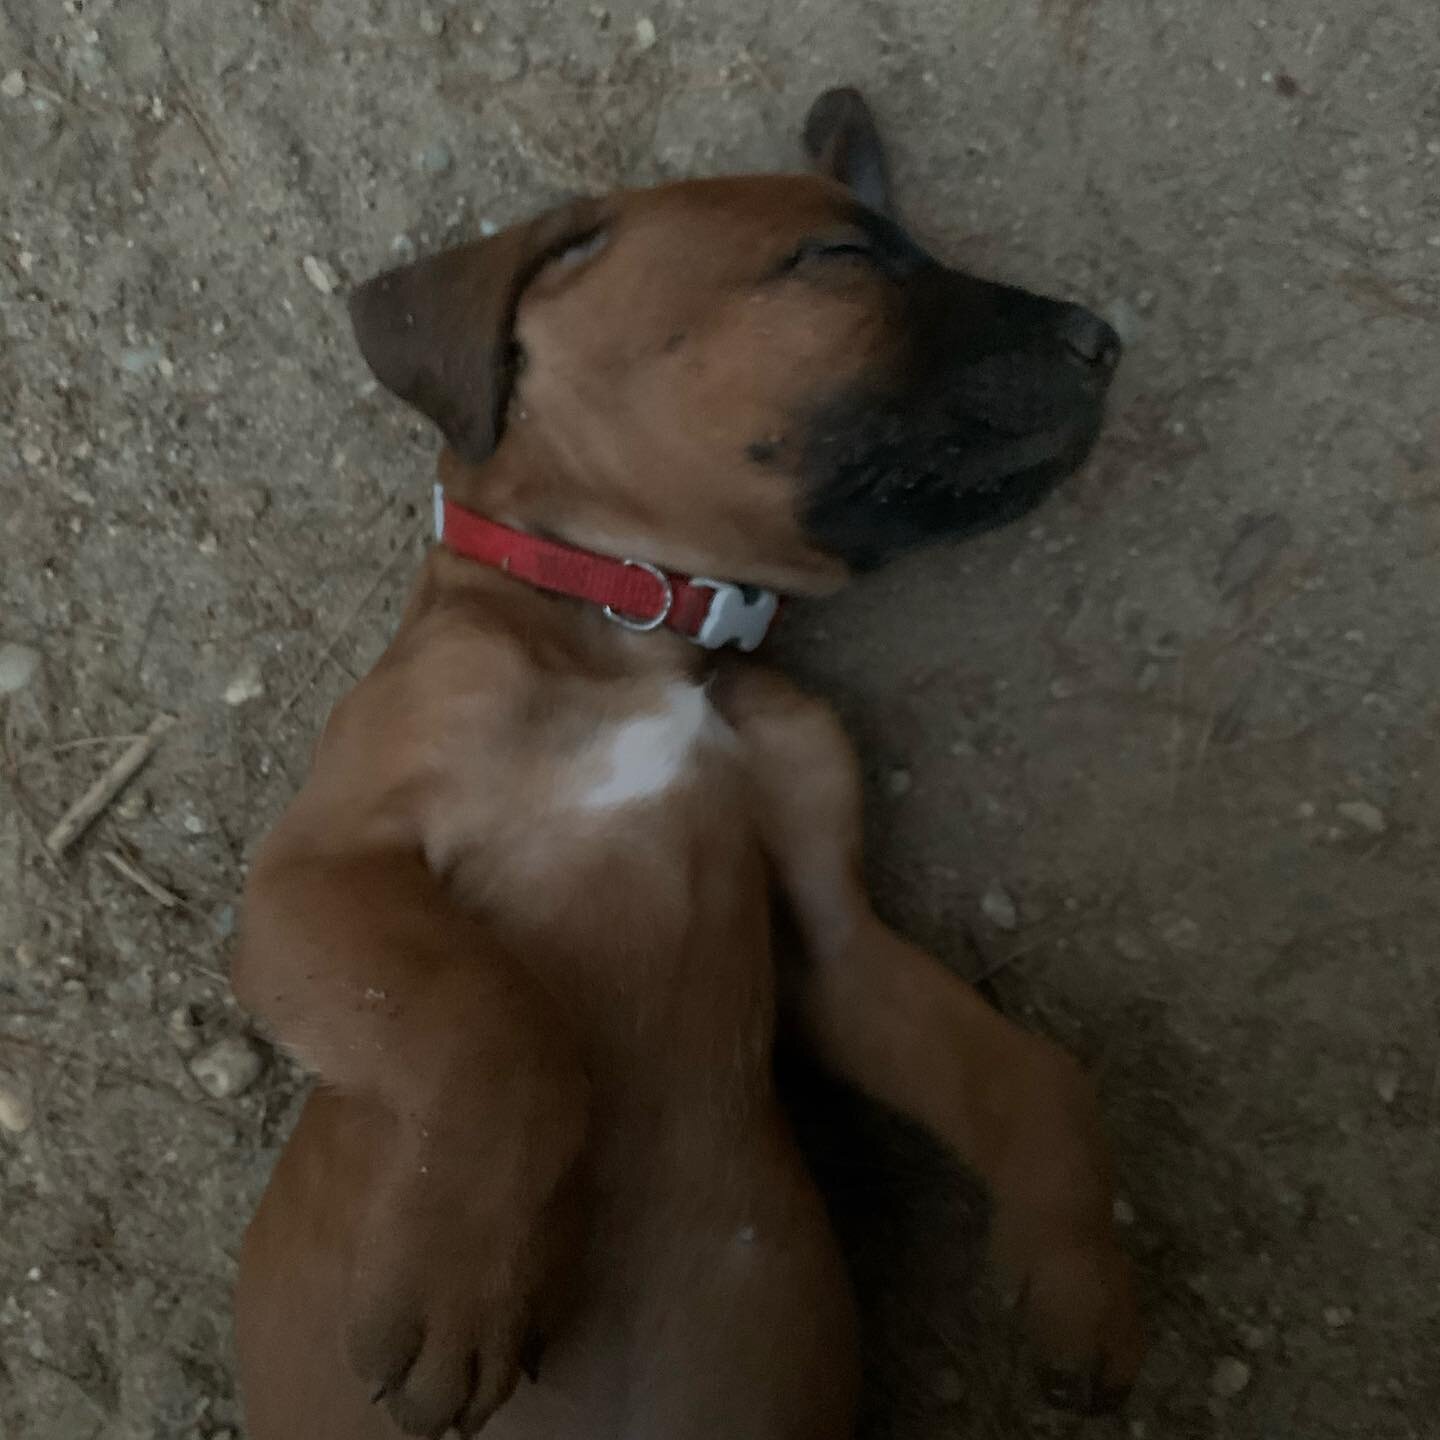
668,604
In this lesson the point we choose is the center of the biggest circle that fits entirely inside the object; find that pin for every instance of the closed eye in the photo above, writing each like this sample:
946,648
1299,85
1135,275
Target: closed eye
832,248
820,251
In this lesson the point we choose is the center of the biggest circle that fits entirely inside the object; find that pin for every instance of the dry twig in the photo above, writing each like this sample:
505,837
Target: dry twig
136,876
87,809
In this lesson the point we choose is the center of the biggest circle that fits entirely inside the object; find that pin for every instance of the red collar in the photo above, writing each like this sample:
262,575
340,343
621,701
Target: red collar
632,593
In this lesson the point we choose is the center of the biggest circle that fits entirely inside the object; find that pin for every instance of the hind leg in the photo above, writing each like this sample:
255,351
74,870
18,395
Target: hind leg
291,1294
902,1028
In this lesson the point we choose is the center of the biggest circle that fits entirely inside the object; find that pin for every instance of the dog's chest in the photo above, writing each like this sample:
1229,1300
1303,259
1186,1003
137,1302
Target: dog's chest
610,846
637,759
617,782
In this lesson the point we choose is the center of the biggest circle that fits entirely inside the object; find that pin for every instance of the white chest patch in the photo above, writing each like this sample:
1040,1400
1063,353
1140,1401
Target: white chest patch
642,757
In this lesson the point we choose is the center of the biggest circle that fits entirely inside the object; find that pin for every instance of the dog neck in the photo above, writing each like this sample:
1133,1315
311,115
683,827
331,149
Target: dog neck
629,590
565,635
532,484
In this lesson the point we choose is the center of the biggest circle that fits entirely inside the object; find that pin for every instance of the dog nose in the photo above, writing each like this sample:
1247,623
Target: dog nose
1089,339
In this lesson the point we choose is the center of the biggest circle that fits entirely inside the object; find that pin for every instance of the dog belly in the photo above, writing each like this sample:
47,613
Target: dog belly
714,1305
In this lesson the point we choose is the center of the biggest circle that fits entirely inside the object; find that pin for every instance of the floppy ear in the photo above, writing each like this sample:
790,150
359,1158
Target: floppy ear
843,142
438,333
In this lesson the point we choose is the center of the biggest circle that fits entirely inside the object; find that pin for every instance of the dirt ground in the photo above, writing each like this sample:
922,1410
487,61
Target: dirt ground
1184,721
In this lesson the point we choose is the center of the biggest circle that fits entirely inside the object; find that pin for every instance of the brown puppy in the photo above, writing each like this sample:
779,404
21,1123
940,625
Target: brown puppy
519,919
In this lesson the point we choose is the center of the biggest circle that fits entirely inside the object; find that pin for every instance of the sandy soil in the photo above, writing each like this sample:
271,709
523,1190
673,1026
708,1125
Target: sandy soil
1185,720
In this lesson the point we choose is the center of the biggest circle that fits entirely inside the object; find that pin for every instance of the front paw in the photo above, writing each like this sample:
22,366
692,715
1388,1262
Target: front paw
1075,1296
454,1279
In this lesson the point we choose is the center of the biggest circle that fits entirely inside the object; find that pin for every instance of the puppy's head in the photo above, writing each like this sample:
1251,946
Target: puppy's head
763,378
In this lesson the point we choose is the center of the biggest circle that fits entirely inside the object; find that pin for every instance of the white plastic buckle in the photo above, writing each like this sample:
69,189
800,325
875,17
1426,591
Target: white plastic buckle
739,615
439,512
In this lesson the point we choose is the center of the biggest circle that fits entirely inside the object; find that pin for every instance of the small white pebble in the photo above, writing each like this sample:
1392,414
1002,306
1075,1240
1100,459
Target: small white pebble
209,543
1337,1317
1230,1377
132,805
1125,319
899,783
228,1068
16,1113
436,159
248,684
1364,814
645,36
18,664
184,1027
31,453
12,87
319,274
999,908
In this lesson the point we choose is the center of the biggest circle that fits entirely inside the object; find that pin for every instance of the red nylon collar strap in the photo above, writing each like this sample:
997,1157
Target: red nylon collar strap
632,593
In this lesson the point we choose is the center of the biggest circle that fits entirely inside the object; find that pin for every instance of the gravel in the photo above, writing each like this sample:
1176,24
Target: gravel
1364,815
1230,1376
18,664
1054,145
228,1068
999,908
16,1113
246,685
436,159
319,274
143,359
184,1027
899,783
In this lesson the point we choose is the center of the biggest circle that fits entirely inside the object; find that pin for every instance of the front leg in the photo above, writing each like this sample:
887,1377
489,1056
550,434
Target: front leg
365,969
902,1028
